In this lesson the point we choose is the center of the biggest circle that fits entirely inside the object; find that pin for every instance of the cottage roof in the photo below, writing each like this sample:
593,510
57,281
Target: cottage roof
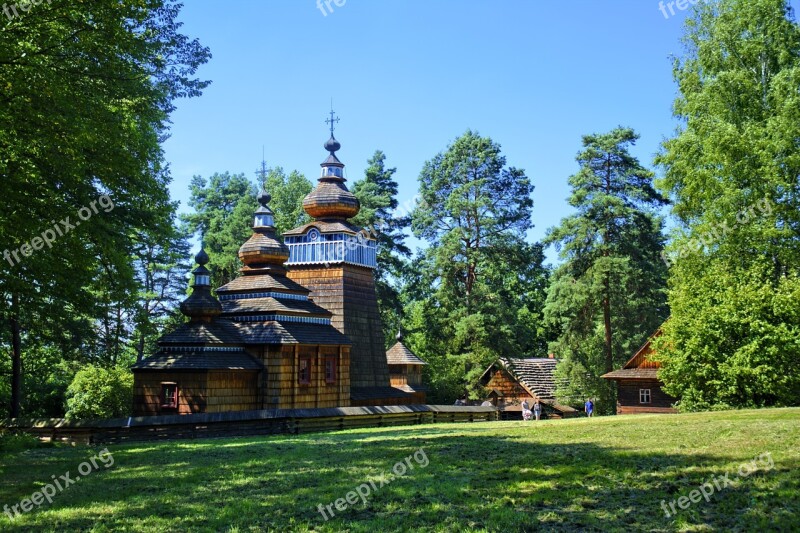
399,354
535,374
640,366
633,373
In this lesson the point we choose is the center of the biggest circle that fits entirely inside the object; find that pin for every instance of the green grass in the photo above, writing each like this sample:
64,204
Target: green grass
600,474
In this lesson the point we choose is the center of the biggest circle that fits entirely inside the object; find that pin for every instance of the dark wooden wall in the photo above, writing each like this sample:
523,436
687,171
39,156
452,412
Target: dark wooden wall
628,398
192,392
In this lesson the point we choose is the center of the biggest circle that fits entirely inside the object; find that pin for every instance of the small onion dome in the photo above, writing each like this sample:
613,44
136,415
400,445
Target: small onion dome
201,305
399,336
332,145
331,199
263,248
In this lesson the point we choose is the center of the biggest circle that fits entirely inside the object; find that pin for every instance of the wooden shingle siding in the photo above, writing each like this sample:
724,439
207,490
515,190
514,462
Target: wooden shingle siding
348,291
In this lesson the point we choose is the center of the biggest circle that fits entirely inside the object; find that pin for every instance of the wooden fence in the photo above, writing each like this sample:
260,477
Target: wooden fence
244,423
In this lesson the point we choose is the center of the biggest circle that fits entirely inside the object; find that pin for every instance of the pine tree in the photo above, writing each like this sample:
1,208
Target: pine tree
608,295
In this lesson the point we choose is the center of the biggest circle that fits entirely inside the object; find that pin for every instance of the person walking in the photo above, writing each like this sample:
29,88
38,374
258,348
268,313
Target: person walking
537,409
526,410
589,405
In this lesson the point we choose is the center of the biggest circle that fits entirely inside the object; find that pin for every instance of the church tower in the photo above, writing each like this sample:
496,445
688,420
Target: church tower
336,260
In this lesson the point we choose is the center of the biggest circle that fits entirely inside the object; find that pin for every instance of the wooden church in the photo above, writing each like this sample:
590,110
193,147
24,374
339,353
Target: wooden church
299,328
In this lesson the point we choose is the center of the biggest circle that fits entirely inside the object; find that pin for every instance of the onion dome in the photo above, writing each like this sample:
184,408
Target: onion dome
201,306
331,199
263,250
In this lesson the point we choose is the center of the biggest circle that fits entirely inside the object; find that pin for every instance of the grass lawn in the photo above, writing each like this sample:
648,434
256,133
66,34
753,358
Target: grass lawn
601,474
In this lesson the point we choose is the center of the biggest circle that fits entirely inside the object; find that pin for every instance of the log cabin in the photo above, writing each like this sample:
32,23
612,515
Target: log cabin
510,381
638,388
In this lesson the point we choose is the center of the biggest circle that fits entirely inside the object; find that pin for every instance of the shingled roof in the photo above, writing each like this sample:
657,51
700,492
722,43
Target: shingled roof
263,282
273,305
273,332
535,374
199,359
633,373
399,354
325,226
200,333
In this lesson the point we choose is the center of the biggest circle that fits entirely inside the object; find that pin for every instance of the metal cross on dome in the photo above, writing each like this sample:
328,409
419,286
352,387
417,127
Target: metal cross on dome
333,120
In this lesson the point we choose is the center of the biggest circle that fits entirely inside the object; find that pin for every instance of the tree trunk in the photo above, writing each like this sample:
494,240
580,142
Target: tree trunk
607,324
16,358
140,348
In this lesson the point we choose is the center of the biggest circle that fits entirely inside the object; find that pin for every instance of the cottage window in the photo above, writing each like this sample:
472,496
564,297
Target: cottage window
644,395
169,395
330,369
304,371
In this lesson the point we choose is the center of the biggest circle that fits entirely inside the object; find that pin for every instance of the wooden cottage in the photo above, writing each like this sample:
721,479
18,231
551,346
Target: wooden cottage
510,381
405,370
638,387
264,345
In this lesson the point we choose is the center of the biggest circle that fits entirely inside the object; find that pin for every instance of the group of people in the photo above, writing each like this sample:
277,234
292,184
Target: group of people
527,414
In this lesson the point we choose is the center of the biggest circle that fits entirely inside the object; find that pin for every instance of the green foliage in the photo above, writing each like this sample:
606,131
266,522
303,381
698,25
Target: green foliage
475,293
98,392
86,97
224,205
287,198
608,295
223,214
377,192
732,172
12,442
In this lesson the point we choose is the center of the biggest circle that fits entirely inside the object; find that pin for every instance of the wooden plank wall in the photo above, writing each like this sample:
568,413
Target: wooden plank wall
192,389
232,391
348,291
284,390
628,398
505,383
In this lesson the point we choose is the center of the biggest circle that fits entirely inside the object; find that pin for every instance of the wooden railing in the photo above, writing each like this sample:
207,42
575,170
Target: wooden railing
332,252
244,423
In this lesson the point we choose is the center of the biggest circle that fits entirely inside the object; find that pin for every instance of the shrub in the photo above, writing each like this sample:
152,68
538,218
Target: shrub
98,392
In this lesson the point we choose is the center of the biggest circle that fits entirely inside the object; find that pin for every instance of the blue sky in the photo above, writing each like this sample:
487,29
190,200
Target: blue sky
408,77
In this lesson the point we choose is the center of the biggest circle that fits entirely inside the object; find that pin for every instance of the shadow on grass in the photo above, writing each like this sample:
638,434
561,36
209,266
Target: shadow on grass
490,482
